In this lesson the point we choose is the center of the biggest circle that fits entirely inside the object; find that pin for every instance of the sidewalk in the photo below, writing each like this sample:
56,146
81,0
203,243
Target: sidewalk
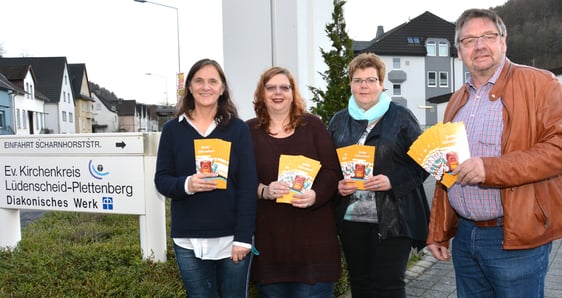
432,278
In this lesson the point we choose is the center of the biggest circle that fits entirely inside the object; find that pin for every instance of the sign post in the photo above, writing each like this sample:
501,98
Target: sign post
99,173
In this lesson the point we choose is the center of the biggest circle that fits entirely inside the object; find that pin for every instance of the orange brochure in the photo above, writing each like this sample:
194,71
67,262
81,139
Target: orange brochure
440,149
299,172
212,156
357,162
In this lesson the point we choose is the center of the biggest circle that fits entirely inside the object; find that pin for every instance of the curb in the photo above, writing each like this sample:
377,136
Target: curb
418,268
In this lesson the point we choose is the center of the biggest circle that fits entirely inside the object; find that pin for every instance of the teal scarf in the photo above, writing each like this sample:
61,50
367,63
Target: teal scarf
374,113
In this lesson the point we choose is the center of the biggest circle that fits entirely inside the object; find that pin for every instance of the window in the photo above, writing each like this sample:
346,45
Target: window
431,79
443,49
413,40
24,119
2,120
443,79
70,117
396,63
18,116
396,89
63,116
431,48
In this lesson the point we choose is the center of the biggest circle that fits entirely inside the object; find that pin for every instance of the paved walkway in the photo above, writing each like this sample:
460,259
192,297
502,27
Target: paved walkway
430,278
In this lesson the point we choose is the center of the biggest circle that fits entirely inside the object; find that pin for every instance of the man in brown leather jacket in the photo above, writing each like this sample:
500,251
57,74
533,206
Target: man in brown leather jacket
506,207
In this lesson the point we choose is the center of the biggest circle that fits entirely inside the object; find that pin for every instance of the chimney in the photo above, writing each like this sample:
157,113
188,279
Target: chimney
380,31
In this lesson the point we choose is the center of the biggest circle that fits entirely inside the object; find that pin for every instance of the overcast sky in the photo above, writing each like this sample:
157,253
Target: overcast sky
122,40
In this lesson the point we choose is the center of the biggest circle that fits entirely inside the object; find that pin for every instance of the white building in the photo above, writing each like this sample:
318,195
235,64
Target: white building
53,83
258,34
104,115
27,107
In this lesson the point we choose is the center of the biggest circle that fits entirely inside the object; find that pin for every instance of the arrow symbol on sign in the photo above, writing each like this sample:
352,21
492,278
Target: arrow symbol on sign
120,144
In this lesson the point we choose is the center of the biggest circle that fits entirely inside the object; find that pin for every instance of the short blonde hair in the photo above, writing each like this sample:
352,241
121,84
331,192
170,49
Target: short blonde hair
366,60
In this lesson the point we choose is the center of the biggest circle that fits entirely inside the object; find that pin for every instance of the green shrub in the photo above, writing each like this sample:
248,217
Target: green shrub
68,254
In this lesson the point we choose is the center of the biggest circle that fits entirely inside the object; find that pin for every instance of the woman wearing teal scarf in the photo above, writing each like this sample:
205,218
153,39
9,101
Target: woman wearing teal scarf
379,224
372,113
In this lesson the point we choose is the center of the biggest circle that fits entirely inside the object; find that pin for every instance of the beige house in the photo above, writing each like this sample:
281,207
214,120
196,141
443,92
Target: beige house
83,100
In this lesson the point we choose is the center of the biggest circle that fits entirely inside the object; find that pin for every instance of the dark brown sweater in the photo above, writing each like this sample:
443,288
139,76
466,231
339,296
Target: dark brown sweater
297,245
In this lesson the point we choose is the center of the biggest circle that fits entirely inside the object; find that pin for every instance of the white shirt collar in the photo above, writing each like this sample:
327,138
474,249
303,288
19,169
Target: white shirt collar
209,129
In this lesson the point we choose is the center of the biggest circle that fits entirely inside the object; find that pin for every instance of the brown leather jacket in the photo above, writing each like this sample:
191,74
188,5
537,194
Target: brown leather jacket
529,171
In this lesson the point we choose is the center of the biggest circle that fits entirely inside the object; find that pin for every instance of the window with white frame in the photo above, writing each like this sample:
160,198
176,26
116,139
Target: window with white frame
18,118
396,63
63,116
431,79
70,117
443,49
443,79
24,118
431,48
396,89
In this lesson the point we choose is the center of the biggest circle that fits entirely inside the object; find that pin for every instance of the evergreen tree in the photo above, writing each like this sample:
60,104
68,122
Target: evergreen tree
335,97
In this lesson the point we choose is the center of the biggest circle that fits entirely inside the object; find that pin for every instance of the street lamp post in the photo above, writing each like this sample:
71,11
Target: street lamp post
177,26
165,83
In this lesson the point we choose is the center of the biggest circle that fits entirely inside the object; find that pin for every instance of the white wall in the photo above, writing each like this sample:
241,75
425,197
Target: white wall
413,89
258,34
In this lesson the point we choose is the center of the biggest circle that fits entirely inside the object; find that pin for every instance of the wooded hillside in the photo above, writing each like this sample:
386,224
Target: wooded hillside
534,31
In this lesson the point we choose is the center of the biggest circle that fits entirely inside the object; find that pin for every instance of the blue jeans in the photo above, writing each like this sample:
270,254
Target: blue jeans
484,269
211,278
296,290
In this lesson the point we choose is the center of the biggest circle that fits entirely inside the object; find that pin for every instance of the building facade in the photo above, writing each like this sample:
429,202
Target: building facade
422,64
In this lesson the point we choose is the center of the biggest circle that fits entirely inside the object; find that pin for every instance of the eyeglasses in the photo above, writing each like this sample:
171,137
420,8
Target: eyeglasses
274,88
370,81
488,38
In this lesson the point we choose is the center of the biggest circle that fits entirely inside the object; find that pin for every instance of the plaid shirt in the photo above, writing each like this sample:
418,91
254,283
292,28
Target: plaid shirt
484,125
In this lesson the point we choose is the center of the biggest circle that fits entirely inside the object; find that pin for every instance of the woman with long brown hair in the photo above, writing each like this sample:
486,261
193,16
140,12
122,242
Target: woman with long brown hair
299,252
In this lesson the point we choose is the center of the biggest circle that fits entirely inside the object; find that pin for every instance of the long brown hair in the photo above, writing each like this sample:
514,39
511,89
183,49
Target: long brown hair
298,105
226,108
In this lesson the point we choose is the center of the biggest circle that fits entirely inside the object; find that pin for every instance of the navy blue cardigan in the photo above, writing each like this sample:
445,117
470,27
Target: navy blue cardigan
215,213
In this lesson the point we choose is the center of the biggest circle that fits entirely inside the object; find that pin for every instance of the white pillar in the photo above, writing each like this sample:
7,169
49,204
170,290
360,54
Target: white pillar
10,233
153,223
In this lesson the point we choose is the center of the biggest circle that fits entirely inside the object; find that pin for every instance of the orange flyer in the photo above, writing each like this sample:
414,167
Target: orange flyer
357,162
440,149
299,172
212,156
